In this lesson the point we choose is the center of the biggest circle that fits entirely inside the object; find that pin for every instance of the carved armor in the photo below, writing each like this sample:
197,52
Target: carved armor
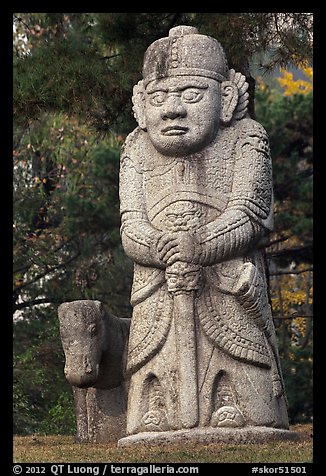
227,210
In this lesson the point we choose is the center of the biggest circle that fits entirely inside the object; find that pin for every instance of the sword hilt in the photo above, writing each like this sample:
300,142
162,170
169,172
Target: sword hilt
184,278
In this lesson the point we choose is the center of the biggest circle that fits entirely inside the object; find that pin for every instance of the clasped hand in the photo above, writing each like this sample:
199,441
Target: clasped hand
177,246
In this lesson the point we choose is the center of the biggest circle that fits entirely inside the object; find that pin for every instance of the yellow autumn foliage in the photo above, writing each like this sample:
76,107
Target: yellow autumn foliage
292,296
291,86
298,86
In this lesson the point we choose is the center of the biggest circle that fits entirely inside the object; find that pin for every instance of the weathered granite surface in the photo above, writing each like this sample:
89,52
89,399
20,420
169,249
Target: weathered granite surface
196,205
94,343
205,436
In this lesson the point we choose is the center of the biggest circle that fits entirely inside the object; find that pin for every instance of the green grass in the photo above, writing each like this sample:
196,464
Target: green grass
63,449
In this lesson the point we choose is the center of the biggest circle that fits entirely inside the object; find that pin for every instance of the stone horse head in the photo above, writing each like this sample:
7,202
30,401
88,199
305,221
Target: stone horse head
94,344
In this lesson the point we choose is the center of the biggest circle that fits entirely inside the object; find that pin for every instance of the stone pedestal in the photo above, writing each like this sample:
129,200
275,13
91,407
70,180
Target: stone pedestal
247,435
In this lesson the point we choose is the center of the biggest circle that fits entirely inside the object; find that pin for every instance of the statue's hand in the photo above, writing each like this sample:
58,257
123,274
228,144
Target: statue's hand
177,246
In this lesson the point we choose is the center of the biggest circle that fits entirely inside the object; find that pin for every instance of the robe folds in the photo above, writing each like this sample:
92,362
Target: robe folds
221,196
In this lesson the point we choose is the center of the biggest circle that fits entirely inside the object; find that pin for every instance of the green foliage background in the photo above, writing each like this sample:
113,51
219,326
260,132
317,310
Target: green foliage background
73,79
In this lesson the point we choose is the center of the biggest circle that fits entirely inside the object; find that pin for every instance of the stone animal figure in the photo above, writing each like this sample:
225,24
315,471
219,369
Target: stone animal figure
94,344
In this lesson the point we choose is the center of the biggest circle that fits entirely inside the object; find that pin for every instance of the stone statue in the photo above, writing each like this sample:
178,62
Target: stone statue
196,204
94,343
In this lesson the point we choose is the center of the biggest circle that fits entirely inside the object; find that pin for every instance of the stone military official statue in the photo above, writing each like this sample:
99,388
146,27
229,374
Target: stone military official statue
196,203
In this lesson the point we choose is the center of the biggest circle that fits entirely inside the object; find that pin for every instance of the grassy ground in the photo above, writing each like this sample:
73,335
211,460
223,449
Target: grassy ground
63,449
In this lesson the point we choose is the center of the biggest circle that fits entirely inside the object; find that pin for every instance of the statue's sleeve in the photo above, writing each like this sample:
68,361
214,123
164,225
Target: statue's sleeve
139,237
248,216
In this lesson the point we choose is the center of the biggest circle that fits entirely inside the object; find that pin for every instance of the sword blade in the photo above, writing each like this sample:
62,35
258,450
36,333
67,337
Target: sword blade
185,329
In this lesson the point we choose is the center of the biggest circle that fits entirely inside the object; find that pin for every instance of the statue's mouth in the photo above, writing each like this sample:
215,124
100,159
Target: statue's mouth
174,131
80,371
81,380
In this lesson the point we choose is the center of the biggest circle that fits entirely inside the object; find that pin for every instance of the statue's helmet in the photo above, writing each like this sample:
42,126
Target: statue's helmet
185,52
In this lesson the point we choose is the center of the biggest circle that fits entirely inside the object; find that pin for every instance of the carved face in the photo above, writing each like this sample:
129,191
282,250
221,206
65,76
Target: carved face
182,113
183,277
82,335
184,215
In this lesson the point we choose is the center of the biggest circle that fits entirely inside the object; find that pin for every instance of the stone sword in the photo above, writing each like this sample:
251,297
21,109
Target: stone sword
184,283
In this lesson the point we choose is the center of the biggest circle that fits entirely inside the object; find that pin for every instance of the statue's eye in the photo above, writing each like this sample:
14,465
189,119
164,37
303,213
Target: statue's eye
172,278
191,276
92,329
192,95
157,98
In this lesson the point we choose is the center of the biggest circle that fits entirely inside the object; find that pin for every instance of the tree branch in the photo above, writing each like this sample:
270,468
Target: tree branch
304,251
20,20
54,250
109,57
35,302
293,316
22,269
47,271
306,338
299,271
278,240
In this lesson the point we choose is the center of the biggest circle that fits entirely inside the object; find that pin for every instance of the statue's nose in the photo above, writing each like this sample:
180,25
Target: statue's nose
173,108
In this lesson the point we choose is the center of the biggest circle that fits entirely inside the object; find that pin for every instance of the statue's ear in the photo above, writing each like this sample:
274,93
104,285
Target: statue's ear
237,80
229,101
138,100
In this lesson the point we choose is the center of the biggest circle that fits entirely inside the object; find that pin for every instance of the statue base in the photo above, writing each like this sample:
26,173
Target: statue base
247,435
